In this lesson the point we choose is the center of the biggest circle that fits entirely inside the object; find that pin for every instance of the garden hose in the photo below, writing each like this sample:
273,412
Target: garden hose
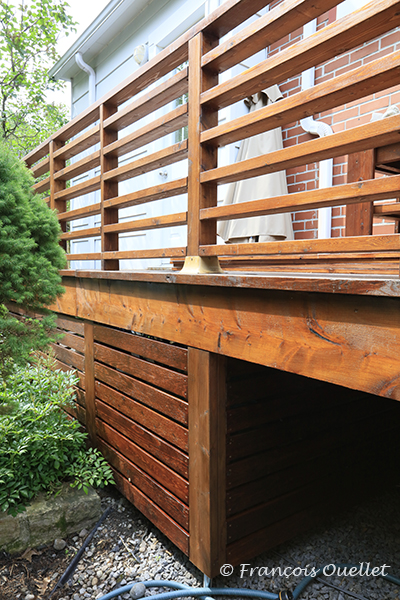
183,591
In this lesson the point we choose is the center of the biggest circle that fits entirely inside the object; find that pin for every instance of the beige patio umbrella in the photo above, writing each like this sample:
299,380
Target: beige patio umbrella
265,228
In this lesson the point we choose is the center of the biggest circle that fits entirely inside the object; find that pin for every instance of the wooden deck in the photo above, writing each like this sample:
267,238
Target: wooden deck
236,405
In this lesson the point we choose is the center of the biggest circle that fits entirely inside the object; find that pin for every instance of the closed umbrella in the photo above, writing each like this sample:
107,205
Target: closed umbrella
269,227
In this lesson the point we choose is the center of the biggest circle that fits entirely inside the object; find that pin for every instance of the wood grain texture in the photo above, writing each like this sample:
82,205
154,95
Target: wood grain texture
156,192
299,333
359,217
207,442
109,189
80,166
90,383
79,144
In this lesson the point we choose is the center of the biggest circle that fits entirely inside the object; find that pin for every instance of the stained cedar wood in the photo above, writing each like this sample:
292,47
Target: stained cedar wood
81,233
79,167
172,407
89,382
155,468
69,357
63,367
360,138
154,445
352,334
64,322
109,189
207,443
346,33
42,186
128,254
156,192
164,125
156,160
359,217
169,380
323,443
167,354
42,167
162,426
150,223
148,486
77,412
200,157
155,514
72,341
79,144
350,193
78,213
147,103
358,83
79,189
275,25
391,210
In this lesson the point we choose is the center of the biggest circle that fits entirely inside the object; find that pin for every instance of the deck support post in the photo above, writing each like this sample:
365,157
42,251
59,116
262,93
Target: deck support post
359,217
90,382
207,460
201,156
109,189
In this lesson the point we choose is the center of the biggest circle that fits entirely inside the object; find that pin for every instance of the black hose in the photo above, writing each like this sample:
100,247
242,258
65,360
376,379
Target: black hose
69,571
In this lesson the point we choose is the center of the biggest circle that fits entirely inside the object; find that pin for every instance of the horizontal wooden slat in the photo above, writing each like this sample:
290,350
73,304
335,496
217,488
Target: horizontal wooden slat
85,256
80,189
79,144
168,478
81,234
161,352
164,125
147,486
41,168
165,428
69,357
167,91
334,39
77,412
363,137
64,322
37,153
157,253
79,167
156,160
73,341
79,213
81,383
164,378
350,193
151,223
374,243
156,446
390,210
156,192
350,86
42,186
275,25
163,402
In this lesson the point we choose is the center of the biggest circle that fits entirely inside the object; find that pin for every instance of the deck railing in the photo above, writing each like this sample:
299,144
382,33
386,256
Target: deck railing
105,132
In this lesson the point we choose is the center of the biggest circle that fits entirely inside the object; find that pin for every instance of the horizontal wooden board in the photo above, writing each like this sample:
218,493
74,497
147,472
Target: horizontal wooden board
148,486
161,352
63,367
72,341
77,412
80,166
165,476
157,253
79,213
42,186
167,429
163,402
79,144
363,137
150,223
156,375
146,506
68,324
143,438
69,357
41,168
349,32
81,233
156,160
156,192
164,125
80,189
373,77
152,100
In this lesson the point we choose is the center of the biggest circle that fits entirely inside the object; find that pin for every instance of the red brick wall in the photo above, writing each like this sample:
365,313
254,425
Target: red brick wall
305,223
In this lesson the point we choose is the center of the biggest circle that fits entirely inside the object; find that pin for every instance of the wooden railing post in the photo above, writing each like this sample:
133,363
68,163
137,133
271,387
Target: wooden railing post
56,185
90,382
207,460
109,189
359,217
201,157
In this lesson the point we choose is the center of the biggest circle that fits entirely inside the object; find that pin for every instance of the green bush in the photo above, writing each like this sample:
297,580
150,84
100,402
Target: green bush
40,446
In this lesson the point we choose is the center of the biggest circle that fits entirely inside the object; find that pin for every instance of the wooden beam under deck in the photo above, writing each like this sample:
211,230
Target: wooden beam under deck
299,332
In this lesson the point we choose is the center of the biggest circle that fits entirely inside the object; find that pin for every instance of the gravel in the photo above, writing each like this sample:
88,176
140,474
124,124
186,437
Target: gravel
128,548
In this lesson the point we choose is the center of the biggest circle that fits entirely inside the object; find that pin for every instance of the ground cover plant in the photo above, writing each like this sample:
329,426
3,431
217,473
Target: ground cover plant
40,446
